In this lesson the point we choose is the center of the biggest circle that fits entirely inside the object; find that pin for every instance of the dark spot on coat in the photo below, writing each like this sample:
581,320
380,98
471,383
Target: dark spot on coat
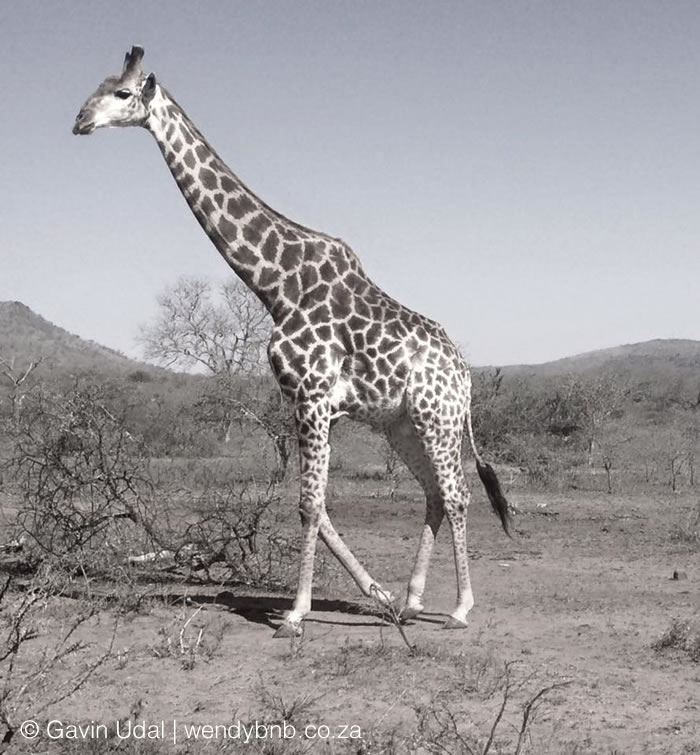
316,295
355,282
188,159
268,277
317,352
361,308
228,184
207,206
287,233
319,315
287,350
277,364
357,323
374,332
328,272
208,178
241,205
247,256
291,256
227,229
286,380
291,287
304,339
309,277
341,301
297,364
269,247
325,332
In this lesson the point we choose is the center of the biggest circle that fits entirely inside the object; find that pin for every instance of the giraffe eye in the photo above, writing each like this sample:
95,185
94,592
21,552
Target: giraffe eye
123,94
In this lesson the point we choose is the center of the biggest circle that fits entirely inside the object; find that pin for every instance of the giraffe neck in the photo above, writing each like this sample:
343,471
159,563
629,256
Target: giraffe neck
263,247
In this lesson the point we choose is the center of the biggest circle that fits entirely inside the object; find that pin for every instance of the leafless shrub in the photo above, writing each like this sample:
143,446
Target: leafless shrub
189,641
683,635
279,709
32,648
442,730
233,525
689,530
88,499
82,478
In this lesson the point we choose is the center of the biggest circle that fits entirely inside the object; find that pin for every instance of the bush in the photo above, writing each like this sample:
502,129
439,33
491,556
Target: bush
82,478
683,635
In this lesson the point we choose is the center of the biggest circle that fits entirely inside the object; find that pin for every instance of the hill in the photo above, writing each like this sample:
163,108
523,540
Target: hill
657,366
26,337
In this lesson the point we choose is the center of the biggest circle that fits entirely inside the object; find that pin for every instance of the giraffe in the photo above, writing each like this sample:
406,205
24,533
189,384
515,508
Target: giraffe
340,346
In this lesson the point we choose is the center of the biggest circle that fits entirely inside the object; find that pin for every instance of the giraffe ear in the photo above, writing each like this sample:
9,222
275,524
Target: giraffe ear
149,88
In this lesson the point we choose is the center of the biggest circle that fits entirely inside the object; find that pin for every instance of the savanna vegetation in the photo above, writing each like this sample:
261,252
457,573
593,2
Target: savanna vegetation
126,488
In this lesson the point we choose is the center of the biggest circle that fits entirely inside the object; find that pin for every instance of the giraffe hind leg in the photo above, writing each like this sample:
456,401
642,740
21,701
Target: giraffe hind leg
445,457
406,443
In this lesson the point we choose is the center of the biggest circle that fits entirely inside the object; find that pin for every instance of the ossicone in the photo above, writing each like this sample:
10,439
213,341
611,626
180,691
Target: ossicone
132,62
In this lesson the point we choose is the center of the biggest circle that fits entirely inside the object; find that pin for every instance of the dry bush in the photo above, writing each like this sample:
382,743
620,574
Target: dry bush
82,479
35,645
87,499
683,635
228,531
689,531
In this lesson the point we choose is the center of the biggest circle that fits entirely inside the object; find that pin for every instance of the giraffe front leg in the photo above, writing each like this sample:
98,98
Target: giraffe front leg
369,587
313,426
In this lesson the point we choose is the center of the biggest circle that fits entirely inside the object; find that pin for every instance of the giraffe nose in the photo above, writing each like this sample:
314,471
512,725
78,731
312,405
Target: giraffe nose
78,121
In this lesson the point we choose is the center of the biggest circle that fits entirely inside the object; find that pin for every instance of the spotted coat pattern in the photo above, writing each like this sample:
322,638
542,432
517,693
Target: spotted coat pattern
340,345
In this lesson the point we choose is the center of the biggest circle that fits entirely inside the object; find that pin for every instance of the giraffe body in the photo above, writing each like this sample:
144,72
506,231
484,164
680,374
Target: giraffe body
340,345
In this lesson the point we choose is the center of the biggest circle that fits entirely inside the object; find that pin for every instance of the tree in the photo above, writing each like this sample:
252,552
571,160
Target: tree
592,403
223,331
18,380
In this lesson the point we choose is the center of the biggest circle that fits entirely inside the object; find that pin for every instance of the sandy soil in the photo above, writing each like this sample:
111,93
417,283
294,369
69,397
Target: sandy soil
577,598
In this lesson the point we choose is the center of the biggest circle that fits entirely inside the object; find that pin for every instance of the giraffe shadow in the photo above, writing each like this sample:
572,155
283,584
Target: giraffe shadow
269,611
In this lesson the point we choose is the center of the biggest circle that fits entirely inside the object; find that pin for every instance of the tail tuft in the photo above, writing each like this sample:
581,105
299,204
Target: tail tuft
493,491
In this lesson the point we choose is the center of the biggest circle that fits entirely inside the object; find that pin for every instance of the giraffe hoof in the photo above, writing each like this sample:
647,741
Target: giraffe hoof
409,612
453,623
288,630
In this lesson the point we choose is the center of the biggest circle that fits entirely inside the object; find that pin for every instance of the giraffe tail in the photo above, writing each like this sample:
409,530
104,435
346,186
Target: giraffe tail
499,503
488,478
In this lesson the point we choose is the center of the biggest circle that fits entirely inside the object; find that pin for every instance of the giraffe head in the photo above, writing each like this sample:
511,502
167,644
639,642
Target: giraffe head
119,100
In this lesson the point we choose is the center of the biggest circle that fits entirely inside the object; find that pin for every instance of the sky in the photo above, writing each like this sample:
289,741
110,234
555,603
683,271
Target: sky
526,173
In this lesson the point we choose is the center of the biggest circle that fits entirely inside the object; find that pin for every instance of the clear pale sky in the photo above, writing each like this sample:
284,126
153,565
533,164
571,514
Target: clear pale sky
527,173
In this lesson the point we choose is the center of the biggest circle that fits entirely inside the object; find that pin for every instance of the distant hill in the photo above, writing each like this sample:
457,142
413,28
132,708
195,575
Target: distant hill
659,365
26,336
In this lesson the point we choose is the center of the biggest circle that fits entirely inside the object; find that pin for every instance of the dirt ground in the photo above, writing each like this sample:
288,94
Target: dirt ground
576,599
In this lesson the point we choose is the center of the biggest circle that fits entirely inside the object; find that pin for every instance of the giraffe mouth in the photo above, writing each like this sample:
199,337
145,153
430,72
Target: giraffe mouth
84,127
